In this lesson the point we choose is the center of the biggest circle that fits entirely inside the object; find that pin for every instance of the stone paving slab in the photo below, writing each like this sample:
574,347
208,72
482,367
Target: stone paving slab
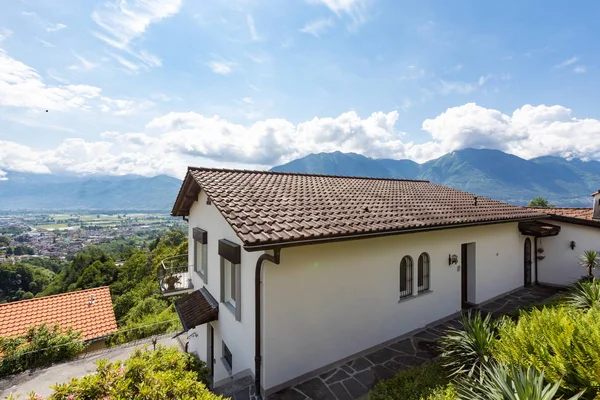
354,379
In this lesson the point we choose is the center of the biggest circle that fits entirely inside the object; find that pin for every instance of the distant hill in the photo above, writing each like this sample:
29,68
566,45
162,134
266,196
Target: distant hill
490,173
25,191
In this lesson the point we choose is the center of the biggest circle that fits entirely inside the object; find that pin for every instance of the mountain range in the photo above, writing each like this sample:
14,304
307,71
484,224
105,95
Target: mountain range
490,173
26,191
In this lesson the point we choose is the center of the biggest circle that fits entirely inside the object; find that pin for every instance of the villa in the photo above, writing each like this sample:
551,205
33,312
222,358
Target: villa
291,274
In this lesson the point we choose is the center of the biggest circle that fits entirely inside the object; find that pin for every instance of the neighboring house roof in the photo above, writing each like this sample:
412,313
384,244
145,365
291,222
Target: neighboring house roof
582,216
94,319
268,209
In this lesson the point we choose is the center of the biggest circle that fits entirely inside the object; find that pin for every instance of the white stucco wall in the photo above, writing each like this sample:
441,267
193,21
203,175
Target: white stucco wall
238,335
326,302
561,264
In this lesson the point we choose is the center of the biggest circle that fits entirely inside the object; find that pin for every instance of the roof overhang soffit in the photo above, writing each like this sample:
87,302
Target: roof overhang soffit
538,229
188,194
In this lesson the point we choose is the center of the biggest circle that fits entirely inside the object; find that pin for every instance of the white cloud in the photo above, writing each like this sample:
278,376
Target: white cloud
84,64
5,34
248,100
355,9
221,67
580,69
125,21
530,131
170,142
45,43
22,86
55,27
48,26
317,27
252,28
567,62
449,87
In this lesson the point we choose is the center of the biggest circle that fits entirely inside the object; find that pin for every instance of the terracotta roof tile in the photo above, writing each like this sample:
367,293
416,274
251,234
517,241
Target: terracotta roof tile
269,208
579,213
69,309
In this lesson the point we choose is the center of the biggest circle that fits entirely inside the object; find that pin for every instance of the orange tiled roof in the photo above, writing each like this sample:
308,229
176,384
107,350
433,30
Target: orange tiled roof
270,208
579,213
69,309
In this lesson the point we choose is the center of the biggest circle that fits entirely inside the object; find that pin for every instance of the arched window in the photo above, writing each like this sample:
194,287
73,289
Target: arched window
406,277
423,273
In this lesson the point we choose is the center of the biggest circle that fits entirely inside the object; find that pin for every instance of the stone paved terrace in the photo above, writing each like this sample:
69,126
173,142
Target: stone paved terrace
354,379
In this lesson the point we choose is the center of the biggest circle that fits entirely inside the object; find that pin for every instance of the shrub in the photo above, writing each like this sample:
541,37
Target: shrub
447,392
562,342
585,294
466,350
42,345
412,384
164,373
510,383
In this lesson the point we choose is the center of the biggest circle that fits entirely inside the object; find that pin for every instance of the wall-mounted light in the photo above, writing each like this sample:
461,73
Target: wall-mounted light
540,250
541,257
452,259
572,245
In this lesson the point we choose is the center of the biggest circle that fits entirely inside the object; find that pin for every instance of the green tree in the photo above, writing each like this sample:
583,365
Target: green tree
4,241
540,202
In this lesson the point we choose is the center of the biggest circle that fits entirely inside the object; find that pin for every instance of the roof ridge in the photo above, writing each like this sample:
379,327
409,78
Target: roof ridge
54,295
191,168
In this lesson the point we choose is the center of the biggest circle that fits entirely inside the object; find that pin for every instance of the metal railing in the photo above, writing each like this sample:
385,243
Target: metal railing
174,276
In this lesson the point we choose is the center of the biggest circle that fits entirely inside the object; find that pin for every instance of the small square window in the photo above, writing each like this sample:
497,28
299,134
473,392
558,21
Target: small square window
227,358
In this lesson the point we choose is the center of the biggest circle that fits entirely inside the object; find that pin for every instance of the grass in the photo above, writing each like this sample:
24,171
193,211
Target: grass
53,226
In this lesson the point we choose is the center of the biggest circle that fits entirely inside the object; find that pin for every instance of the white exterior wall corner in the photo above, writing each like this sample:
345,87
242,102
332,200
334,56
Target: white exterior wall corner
329,301
238,335
560,265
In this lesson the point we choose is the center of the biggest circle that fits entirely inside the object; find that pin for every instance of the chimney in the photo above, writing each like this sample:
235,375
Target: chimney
596,205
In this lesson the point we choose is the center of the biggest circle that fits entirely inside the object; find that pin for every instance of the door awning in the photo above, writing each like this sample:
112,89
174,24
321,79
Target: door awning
538,229
197,308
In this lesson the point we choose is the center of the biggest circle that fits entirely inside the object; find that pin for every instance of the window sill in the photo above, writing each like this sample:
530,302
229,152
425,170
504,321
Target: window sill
202,276
407,298
227,366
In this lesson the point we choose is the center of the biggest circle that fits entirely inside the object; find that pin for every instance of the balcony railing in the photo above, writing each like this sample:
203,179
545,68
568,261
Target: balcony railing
174,277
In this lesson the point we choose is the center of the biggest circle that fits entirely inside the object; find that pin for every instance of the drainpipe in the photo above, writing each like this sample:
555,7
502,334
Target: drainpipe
535,253
275,258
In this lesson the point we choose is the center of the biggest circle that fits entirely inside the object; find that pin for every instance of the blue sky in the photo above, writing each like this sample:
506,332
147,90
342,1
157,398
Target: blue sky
150,86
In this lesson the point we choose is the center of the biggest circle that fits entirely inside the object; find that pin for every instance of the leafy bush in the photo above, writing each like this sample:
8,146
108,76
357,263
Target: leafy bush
466,350
41,346
447,392
563,342
510,383
413,384
165,373
585,294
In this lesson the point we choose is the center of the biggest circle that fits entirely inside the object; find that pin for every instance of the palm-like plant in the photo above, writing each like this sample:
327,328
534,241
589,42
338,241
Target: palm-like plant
590,259
465,351
585,295
500,382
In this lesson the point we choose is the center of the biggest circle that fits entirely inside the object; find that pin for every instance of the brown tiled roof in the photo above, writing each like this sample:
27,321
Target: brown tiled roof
196,308
74,309
579,213
268,208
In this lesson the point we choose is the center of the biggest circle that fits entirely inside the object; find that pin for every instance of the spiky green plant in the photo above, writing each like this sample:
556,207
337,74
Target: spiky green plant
584,295
590,259
466,350
500,382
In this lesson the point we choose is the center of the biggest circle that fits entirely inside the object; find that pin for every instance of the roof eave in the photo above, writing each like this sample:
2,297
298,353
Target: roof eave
332,239
577,221
185,192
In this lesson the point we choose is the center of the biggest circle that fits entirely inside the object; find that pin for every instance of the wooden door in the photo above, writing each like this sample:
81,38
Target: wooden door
527,262
210,354
464,282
